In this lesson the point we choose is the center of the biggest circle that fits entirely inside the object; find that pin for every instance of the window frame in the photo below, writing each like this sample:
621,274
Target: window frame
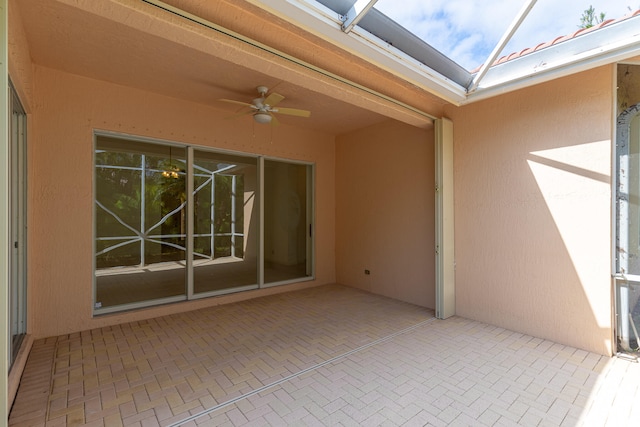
190,294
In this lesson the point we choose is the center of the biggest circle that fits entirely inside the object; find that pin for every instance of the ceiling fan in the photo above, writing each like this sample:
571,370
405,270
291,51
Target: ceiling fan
263,108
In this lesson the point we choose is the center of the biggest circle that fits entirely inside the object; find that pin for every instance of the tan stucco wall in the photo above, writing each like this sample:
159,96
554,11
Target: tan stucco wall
533,210
385,204
67,110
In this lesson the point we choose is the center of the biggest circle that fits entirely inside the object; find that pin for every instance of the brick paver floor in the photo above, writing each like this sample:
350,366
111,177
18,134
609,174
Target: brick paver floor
329,355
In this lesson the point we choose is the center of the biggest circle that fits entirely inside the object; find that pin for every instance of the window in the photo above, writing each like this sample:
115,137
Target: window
175,222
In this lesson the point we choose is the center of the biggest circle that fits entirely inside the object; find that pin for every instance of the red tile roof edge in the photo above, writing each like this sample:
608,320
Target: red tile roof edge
557,40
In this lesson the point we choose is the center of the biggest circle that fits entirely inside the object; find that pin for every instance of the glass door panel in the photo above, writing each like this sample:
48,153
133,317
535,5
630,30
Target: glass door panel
225,223
287,221
17,225
140,219
627,262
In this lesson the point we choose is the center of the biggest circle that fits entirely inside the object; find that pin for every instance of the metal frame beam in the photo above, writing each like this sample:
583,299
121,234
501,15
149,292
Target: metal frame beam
501,44
356,13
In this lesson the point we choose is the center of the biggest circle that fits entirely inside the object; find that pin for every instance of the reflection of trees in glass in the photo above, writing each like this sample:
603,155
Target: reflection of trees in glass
228,216
127,236
119,183
217,216
118,189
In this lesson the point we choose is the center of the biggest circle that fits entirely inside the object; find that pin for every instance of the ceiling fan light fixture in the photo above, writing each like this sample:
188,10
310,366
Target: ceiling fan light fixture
263,118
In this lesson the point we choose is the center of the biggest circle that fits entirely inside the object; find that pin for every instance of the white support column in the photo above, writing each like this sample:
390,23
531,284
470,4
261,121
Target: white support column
445,253
4,214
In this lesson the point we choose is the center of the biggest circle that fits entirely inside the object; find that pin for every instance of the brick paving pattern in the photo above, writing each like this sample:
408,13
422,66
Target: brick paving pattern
330,355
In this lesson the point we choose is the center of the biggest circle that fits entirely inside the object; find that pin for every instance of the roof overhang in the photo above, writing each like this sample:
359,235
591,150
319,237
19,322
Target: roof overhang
325,23
430,70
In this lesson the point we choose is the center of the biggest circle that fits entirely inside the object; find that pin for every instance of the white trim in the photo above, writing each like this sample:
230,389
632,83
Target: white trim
4,211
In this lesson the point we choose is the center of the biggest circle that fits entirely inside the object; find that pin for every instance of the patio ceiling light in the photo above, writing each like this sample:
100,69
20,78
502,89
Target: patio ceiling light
262,118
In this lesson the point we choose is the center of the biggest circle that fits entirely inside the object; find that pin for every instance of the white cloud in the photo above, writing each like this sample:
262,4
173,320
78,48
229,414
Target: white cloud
467,31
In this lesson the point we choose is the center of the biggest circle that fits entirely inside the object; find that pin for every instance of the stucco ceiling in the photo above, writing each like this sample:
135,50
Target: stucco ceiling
113,41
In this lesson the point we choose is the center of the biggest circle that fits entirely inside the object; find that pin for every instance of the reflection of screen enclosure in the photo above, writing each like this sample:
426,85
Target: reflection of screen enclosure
140,221
150,249
224,206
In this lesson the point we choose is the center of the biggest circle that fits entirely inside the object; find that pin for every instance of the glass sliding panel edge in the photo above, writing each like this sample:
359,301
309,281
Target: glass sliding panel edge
226,291
138,305
288,282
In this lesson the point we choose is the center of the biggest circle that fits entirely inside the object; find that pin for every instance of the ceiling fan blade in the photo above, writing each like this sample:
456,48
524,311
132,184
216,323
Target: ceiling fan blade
293,112
273,99
231,101
274,121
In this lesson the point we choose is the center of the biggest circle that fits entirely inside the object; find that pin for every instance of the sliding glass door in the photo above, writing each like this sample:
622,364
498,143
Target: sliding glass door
287,221
17,225
175,222
140,217
225,222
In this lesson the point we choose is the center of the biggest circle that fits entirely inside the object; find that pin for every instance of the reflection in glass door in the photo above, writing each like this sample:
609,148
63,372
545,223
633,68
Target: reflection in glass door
141,219
225,255
287,221
17,225
175,222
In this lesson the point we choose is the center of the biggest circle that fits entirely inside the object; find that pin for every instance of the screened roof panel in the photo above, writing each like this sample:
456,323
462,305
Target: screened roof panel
441,46
399,37
453,36
467,31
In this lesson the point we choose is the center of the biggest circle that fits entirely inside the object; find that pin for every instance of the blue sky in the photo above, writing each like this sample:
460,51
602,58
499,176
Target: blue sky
467,31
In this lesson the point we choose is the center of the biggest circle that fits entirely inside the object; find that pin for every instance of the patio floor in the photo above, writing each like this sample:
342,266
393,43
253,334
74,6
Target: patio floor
329,355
